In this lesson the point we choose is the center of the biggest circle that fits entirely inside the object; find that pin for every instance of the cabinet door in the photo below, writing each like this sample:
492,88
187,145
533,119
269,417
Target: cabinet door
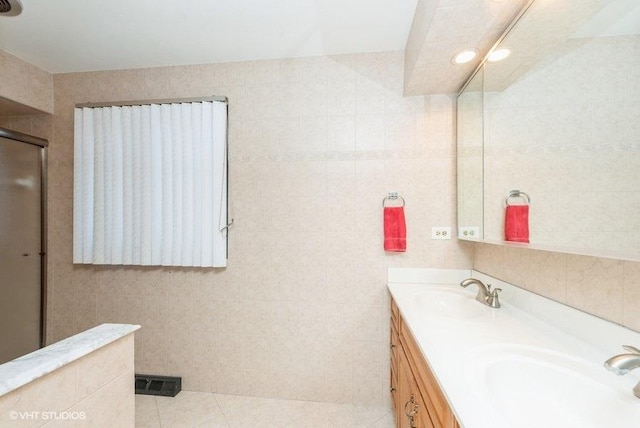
438,408
404,393
411,411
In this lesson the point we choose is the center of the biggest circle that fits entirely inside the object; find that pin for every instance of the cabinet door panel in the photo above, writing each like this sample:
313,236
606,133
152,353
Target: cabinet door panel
405,384
413,412
439,409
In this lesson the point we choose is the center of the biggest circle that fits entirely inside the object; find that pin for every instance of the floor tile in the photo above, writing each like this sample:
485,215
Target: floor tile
147,412
189,409
207,410
266,413
321,415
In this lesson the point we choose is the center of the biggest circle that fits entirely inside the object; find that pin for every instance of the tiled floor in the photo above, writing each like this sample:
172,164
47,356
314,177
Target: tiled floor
207,410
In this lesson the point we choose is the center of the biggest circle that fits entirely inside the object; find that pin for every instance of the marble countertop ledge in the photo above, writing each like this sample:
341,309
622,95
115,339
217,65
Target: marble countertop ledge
29,367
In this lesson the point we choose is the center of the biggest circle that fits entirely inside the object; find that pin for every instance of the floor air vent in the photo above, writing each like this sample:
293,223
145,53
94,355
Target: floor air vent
167,386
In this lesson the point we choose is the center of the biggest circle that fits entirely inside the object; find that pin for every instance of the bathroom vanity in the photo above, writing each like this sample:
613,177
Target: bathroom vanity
531,363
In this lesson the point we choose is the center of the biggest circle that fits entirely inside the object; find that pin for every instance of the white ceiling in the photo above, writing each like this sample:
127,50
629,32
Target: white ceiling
84,35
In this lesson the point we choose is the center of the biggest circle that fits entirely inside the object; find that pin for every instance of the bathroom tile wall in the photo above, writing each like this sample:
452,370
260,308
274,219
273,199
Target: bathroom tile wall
608,288
25,83
301,311
38,125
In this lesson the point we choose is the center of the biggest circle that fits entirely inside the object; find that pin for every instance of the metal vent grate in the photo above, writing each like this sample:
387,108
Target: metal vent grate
168,386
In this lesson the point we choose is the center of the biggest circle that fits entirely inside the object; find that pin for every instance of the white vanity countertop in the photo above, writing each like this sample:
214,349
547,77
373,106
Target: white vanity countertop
25,369
549,355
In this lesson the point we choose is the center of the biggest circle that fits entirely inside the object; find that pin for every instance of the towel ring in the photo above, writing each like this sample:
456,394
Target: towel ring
517,194
392,197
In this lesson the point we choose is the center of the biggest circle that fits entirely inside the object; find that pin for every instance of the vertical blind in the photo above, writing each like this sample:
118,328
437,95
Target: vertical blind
150,184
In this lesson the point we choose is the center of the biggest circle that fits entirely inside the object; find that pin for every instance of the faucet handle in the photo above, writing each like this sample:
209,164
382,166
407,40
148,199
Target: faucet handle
631,349
493,292
494,301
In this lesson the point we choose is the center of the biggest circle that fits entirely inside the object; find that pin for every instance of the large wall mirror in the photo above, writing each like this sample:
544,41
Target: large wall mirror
559,119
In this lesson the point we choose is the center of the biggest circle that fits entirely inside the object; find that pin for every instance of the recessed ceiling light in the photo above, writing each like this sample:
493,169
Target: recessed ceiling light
464,56
499,54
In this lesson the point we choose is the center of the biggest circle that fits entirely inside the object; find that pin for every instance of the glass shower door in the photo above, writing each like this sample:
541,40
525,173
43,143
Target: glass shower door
20,248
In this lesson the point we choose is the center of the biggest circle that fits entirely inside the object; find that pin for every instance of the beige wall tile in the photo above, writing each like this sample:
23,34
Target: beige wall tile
111,405
104,365
595,285
38,125
543,272
37,397
25,83
631,295
603,287
63,423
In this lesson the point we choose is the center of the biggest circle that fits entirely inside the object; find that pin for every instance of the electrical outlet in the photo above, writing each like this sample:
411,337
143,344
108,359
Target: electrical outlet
471,232
440,232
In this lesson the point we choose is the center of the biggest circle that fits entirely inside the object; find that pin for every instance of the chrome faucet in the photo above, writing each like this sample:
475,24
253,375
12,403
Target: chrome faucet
485,295
624,363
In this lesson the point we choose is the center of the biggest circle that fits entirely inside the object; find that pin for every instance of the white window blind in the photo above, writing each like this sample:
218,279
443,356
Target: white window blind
150,184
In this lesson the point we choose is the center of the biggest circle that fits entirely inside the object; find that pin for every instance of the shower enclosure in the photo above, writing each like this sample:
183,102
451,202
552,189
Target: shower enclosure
22,243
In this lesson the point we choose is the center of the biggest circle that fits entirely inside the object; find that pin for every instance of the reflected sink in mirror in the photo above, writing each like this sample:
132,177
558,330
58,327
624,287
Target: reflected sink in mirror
553,389
456,304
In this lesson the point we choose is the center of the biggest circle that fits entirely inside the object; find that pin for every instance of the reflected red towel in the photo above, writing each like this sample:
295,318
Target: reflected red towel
516,223
395,229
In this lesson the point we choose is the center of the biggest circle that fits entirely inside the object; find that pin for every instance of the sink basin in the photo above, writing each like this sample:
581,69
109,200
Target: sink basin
454,303
552,389
450,303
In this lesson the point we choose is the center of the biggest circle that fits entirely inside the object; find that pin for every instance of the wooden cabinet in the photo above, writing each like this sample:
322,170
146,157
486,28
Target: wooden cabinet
417,399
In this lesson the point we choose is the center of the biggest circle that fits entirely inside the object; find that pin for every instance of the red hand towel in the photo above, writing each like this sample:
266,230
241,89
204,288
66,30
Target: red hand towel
516,223
395,229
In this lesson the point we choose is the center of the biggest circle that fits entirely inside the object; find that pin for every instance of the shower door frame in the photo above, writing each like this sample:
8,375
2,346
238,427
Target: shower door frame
43,144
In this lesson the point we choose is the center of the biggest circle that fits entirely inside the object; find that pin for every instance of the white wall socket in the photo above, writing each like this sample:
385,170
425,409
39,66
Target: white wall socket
471,232
440,232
